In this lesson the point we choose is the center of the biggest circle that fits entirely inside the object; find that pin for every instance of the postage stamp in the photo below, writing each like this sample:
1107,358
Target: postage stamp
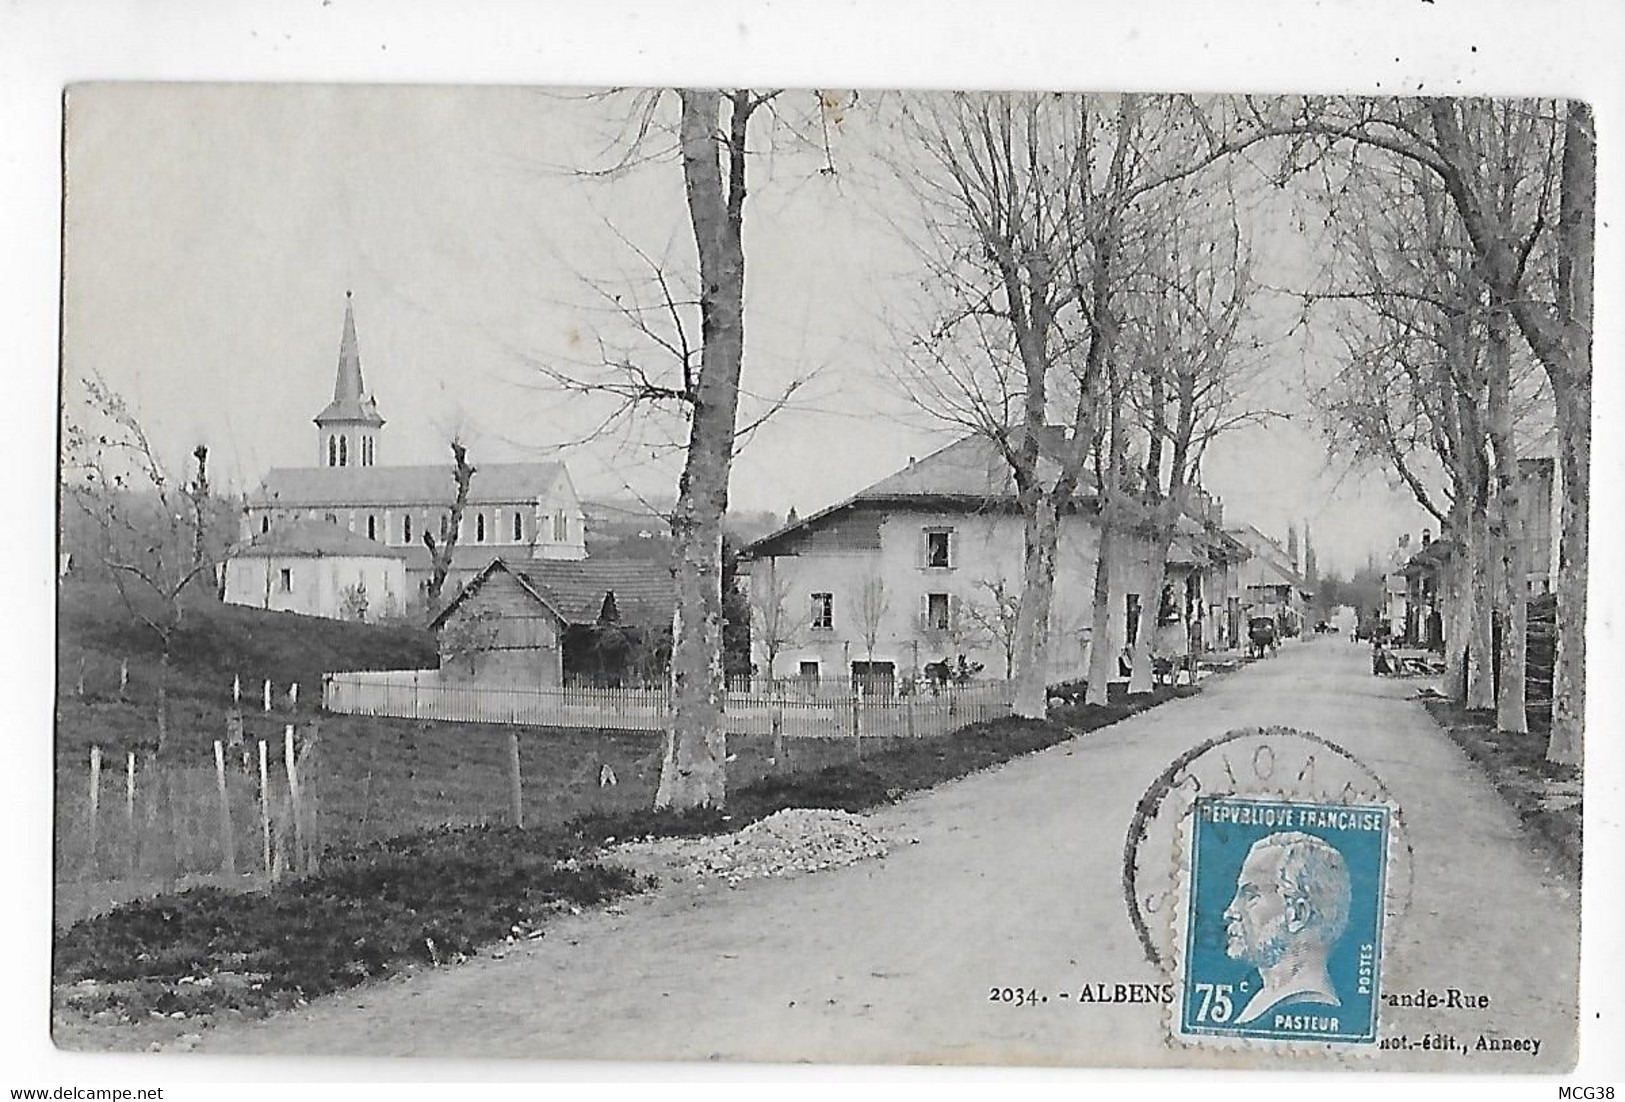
1280,936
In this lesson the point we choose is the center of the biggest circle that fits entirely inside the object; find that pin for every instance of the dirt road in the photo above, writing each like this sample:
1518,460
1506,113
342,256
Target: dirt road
1014,881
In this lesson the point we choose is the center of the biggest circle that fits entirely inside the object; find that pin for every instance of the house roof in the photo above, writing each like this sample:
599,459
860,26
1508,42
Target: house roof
351,402
314,538
645,592
433,484
969,475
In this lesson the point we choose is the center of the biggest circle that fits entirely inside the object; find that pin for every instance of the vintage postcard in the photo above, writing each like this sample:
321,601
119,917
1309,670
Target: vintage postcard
838,576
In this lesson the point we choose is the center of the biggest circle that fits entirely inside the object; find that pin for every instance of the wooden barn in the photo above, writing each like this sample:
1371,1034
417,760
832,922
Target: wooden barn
528,623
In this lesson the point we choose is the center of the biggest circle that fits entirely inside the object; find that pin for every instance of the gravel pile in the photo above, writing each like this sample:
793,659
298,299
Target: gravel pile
788,842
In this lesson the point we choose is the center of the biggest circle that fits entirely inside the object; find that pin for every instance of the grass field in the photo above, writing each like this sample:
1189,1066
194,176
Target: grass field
372,779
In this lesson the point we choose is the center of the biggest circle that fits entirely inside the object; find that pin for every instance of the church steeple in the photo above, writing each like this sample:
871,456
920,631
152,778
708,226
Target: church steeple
347,430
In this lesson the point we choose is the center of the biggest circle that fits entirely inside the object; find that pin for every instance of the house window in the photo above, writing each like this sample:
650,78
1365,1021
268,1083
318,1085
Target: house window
938,612
479,528
331,518
809,671
287,580
406,529
938,544
823,611
518,526
372,527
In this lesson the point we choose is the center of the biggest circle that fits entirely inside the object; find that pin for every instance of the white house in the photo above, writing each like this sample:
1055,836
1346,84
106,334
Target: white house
517,511
1269,583
318,569
910,572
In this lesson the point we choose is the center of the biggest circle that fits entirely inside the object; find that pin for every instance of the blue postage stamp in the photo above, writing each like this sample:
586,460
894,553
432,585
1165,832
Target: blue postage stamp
1281,933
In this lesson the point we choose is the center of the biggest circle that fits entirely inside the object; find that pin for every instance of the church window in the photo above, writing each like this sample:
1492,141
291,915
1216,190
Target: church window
372,527
561,527
265,523
518,526
332,451
479,528
344,451
406,529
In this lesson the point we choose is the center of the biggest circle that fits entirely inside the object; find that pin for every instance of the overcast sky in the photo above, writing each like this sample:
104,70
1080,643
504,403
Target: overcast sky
212,232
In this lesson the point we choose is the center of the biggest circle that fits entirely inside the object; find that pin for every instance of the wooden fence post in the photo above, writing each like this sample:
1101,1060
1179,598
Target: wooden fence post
95,802
267,695
129,807
291,767
293,697
236,691
515,781
265,808
80,687
123,676
228,847
310,796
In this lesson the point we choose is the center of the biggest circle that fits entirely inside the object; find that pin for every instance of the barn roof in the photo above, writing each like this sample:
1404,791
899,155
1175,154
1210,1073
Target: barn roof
315,538
645,592
433,484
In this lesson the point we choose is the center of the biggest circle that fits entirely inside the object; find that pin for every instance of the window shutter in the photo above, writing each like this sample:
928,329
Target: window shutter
925,612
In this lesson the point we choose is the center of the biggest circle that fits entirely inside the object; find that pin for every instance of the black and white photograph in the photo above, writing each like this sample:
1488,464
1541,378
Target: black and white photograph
633,572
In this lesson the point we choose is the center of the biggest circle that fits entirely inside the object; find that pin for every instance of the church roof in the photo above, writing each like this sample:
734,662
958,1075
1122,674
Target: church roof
351,402
432,484
315,538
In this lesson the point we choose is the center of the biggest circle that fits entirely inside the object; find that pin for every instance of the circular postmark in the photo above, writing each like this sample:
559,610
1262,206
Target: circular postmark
1274,761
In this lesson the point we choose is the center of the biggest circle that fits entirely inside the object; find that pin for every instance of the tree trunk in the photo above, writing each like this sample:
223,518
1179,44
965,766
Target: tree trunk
1571,384
1568,674
1141,679
1031,699
1480,634
691,771
1457,609
1103,640
1507,527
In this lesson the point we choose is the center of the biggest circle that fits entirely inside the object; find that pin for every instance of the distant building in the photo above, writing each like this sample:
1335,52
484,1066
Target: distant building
1269,583
515,510
317,569
511,625
907,573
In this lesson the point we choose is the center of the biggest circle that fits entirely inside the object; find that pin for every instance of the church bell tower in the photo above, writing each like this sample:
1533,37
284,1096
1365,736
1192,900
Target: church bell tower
347,430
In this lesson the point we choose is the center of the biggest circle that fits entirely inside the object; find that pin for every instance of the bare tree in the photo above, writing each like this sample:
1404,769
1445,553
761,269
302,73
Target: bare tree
1537,265
154,539
869,610
442,550
774,625
1190,379
1025,214
997,617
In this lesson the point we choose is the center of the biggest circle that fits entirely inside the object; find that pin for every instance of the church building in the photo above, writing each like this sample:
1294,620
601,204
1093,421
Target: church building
515,511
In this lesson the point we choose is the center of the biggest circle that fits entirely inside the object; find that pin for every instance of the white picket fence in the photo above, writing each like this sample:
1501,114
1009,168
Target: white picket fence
423,694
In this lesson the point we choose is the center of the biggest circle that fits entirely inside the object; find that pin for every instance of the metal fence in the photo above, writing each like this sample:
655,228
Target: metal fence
782,709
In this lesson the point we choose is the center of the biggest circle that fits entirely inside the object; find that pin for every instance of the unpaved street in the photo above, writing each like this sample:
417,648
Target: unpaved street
1015,880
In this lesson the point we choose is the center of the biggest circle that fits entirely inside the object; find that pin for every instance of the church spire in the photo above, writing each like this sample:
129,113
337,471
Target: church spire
349,384
347,429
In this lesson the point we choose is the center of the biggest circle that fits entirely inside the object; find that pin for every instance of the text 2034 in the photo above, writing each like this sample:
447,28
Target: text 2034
1015,996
